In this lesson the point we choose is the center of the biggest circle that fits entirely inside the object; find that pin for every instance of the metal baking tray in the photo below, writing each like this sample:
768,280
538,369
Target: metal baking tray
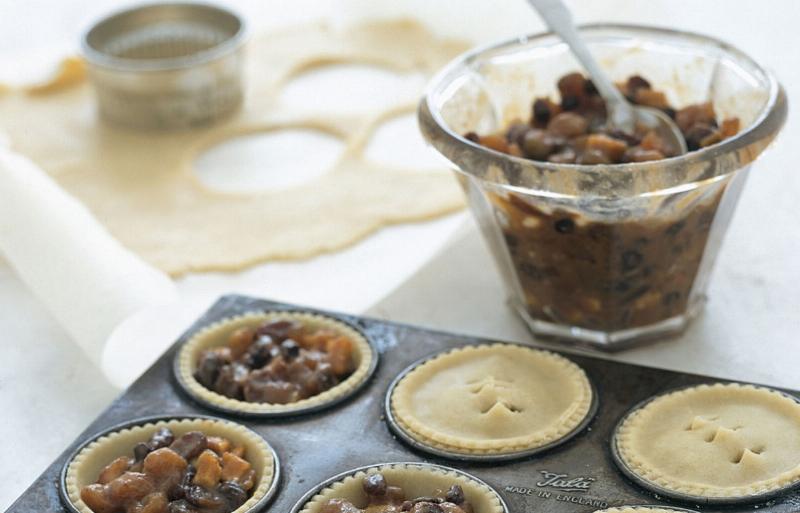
314,447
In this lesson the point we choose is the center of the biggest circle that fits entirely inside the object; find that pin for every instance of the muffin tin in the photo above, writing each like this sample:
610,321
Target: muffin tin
314,447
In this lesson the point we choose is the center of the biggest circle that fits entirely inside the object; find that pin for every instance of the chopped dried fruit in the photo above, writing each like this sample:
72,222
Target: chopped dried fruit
557,131
383,498
240,340
495,142
218,444
234,468
282,361
190,445
568,124
209,470
165,482
114,469
96,497
130,486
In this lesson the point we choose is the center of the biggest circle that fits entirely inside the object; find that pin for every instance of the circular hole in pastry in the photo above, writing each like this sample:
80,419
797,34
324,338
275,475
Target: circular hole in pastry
723,457
490,402
92,461
364,360
415,480
397,143
272,160
350,88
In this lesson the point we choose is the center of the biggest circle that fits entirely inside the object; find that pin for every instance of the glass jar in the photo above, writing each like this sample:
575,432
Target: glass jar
608,255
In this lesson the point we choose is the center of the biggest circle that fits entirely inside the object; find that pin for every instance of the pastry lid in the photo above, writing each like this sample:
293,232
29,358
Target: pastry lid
665,491
409,438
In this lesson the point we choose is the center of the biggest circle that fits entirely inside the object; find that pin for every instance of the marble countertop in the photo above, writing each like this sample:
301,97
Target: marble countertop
49,392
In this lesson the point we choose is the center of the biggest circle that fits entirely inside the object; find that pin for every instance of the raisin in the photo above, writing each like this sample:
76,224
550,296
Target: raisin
260,352
179,491
233,493
541,111
290,349
568,124
208,368
202,498
570,102
374,485
279,330
162,438
631,260
231,380
671,298
696,134
536,145
675,228
140,451
515,133
565,225
572,84
635,83
455,494
190,445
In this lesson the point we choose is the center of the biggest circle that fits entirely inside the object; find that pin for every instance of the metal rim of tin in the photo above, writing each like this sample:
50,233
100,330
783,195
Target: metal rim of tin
656,506
373,366
685,497
98,57
406,437
62,476
338,477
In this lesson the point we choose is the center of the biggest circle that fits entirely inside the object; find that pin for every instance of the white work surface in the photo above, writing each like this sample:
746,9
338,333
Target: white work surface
435,274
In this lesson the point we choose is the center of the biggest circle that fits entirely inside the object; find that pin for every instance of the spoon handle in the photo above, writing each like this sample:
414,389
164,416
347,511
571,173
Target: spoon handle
559,19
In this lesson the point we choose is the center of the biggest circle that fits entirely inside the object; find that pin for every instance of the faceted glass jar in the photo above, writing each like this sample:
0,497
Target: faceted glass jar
608,255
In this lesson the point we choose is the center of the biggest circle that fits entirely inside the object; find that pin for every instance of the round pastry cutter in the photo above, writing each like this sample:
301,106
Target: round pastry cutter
685,497
338,477
408,438
62,479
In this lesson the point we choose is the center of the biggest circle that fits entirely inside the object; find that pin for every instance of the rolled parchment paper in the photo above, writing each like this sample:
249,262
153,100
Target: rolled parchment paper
86,278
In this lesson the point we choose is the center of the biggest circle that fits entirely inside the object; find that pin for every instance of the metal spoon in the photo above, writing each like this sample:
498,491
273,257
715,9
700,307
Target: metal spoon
622,115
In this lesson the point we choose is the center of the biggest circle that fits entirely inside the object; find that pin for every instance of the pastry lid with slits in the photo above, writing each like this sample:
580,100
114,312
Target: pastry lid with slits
491,399
713,443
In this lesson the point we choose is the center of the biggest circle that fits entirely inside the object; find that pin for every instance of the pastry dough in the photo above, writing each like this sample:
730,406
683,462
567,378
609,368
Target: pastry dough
141,186
492,399
216,335
415,480
87,464
721,440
